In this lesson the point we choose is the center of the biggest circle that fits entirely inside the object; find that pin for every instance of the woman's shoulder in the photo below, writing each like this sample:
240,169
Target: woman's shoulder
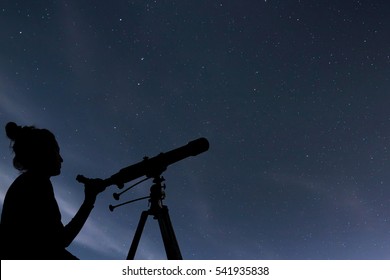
29,182
28,176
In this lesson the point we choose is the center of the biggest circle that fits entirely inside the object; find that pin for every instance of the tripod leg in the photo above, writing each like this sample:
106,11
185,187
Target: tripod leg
137,235
168,235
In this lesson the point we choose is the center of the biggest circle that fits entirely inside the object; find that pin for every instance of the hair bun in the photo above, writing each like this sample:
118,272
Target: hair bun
12,130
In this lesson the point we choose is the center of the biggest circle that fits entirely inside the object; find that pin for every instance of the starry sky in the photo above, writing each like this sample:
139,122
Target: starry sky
292,95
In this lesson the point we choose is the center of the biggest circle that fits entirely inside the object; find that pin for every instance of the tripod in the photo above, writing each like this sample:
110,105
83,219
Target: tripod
161,214
153,168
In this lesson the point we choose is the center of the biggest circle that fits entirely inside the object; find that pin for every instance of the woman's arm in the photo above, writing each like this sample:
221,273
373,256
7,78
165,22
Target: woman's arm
91,189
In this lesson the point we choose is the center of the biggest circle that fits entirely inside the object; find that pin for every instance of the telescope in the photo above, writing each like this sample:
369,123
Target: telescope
153,167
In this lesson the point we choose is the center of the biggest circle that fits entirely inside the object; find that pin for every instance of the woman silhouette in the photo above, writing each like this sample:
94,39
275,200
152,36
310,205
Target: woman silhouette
31,220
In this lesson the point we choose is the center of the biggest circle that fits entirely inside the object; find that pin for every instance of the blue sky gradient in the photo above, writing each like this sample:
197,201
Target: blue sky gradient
292,96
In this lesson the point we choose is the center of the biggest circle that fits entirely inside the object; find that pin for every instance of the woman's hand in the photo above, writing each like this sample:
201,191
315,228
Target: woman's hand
94,186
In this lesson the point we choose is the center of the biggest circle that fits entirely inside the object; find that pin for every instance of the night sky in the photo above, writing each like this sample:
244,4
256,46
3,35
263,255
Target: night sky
293,97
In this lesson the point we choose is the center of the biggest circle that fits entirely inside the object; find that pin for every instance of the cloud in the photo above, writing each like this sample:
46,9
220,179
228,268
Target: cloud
11,107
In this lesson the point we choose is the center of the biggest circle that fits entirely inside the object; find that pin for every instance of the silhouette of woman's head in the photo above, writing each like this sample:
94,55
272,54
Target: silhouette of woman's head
35,149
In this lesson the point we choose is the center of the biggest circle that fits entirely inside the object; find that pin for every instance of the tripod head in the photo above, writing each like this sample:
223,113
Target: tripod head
157,194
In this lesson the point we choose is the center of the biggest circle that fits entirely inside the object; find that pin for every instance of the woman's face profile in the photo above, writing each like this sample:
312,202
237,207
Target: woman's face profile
49,163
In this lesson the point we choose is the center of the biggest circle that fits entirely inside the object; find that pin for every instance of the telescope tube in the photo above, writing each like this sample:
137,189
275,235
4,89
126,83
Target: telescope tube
153,167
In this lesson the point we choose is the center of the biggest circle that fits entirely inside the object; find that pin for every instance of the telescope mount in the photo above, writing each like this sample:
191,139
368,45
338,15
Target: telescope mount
161,214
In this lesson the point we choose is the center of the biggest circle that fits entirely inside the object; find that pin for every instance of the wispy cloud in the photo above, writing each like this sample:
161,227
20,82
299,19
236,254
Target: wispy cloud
11,106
